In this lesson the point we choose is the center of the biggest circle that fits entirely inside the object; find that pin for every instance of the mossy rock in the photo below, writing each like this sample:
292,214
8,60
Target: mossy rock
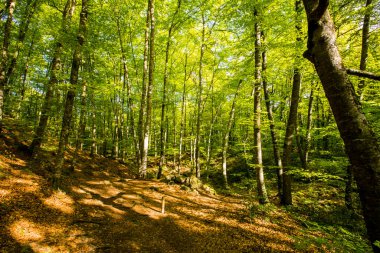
193,182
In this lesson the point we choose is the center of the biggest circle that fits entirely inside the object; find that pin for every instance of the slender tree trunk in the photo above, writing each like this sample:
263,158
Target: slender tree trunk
364,53
200,89
360,142
127,86
82,118
24,77
70,96
292,118
308,128
143,105
163,105
11,5
148,119
227,136
94,146
258,156
183,115
23,28
276,150
54,69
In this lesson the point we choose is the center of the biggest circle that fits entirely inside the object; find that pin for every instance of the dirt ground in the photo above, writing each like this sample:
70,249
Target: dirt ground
102,208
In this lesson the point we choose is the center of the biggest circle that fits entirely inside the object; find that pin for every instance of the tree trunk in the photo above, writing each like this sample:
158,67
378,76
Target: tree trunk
148,118
11,4
360,142
292,118
308,128
364,53
276,150
257,158
70,96
200,89
183,115
227,136
54,69
143,105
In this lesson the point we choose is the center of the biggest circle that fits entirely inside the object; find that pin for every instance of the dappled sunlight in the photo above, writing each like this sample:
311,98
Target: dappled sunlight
91,202
4,193
25,231
60,201
52,238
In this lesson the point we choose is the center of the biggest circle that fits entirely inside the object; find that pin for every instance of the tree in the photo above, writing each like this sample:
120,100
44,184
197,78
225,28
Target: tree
361,145
55,66
70,96
258,153
148,116
291,126
11,5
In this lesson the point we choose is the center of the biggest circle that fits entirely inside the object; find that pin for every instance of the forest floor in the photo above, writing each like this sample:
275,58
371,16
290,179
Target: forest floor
103,208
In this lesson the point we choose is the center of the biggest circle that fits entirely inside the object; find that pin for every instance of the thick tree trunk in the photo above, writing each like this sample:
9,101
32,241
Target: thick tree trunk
276,150
54,69
11,5
360,142
292,118
258,157
70,96
143,168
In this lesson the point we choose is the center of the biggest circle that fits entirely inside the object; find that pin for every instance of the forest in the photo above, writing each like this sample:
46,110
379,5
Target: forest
190,126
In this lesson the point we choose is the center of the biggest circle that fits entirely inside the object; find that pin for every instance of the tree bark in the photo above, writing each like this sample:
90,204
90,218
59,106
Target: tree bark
164,92
276,150
227,136
257,157
362,73
308,128
143,104
54,69
182,134
364,53
199,112
292,118
23,28
70,96
360,142
143,168
11,5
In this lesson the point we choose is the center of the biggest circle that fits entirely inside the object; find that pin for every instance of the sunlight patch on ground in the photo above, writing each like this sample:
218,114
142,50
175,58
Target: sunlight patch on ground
91,202
60,201
25,185
4,193
115,212
44,239
25,231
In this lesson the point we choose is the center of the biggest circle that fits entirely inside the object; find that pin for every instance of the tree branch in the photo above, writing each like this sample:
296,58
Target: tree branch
362,73
320,10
